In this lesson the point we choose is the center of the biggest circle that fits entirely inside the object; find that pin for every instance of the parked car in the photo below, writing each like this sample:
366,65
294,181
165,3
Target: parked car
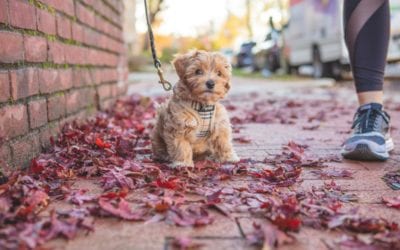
267,54
315,37
245,58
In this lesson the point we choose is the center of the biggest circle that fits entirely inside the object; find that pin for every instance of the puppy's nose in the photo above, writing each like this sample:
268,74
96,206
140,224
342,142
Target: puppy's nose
210,84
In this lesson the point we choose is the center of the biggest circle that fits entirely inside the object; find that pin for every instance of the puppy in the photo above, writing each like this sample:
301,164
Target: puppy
192,123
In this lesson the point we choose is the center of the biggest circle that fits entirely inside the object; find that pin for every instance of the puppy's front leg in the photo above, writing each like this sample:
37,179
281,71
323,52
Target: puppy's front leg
221,141
180,152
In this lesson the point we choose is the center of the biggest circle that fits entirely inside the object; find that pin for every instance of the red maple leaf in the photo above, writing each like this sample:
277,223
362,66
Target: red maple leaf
185,243
120,208
36,199
392,202
113,195
242,139
171,183
292,224
36,167
101,144
79,197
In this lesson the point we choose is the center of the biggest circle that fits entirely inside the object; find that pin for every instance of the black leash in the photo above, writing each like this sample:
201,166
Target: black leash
157,64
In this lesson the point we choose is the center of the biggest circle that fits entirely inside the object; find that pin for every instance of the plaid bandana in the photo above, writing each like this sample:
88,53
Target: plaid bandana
206,113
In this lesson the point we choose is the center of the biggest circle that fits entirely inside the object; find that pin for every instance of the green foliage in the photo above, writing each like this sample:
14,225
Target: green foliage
38,4
168,54
30,32
47,65
51,38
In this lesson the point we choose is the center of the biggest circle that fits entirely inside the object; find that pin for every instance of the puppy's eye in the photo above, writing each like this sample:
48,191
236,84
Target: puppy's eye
219,73
199,72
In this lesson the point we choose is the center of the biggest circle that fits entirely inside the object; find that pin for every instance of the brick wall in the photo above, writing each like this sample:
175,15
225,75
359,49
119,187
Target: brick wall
59,60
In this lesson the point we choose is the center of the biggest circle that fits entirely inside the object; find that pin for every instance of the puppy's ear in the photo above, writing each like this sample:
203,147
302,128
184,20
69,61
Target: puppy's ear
180,65
221,58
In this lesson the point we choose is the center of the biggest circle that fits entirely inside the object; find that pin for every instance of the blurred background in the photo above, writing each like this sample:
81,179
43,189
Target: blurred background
261,38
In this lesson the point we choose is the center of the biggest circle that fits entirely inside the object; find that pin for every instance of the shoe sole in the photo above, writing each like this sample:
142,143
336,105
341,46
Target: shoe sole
366,150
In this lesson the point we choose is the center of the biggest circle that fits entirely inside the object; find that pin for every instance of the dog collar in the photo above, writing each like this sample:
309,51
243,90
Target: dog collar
206,113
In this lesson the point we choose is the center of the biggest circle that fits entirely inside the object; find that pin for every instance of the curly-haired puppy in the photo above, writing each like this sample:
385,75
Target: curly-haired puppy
192,123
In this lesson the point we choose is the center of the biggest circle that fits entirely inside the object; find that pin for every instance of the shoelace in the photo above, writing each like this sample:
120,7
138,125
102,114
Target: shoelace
367,120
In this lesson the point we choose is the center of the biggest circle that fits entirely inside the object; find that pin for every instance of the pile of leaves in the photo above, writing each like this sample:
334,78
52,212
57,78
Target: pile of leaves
113,148
286,111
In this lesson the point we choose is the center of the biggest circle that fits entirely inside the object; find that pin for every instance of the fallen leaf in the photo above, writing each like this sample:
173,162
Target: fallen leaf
392,202
120,208
101,144
185,243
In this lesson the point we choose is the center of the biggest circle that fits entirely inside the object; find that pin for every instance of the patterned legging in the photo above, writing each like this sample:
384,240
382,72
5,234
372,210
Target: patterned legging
367,32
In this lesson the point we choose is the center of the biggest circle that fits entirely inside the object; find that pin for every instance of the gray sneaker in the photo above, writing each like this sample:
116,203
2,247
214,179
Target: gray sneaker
370,140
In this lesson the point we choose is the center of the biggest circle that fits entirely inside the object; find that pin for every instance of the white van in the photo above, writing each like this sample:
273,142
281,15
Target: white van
314,36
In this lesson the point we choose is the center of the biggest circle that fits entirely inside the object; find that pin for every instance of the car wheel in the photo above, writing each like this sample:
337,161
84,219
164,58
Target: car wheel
337,70
319,68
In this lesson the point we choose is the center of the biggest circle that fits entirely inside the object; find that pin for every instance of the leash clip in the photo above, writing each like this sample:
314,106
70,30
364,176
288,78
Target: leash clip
166,84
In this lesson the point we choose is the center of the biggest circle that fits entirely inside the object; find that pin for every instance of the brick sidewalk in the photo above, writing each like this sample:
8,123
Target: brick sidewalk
304,101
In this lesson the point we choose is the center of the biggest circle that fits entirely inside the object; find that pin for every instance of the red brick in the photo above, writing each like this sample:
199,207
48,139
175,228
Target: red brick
25,149
37,113
109,29
56,107
76,55
91,38
79,99
114,90
85,15
77,32
82,77
97,76
3,11
89,97
101,58
89,2
35,49
63,27
118,5
66,6
109,75
13,121
47,133
114,31
105,76
104,91
46,22
48,80
107,12
113,45
12,48
73,101
22,14
5,159
101,24
24,83
56,52
5,92
100,8
108,59
65,79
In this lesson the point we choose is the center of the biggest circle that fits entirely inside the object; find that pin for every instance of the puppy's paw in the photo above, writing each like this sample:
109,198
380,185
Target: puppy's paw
233,158
181,164
191,123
